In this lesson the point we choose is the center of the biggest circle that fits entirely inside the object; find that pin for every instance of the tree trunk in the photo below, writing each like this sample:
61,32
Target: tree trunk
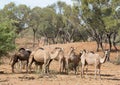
114,43
34,33
100,42
109,40
97,46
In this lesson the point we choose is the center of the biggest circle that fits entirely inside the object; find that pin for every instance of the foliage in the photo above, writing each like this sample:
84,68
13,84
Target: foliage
101,19
62,23
7,36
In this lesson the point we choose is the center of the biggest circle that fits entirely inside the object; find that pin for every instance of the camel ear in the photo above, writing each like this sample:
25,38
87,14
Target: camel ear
84,50
62,49
75,48
56,47
81,51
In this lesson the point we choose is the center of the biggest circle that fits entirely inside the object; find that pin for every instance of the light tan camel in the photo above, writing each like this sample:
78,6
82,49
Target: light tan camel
72,58
60,58
89,58
42,56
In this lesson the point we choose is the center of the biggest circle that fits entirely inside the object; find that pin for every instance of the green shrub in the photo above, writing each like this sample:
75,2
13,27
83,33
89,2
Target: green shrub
7,37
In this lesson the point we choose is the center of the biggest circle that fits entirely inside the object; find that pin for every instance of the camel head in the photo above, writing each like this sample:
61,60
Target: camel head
56,52
107,54
82,51
57,49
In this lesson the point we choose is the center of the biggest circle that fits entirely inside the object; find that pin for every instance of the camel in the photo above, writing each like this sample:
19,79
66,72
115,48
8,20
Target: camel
89,58
22,55
72,58
61,59
43,57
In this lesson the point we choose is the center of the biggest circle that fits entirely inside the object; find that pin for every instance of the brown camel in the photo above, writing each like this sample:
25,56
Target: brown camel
89,58
22,55
73,59
43,57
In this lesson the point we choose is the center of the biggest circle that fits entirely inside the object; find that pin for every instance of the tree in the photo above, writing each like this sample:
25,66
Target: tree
21,14
98,19
34,21
7,36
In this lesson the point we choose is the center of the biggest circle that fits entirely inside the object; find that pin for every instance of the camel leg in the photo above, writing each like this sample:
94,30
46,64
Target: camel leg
60,65
15,60
82,72
40,67
67,67
45,65
45,68
19,65
95,71
99,72
36,67
29,64
75,69
86,70
49,65
63,65
13,63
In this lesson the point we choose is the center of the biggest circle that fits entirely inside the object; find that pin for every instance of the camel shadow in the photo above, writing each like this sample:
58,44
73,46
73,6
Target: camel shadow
2,72
113,78
107,75
110,77
113,50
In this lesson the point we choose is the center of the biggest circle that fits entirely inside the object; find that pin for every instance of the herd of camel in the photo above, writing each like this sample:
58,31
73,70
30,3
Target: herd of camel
43,58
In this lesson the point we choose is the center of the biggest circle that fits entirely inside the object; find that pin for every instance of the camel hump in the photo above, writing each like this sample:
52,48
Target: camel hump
21,49
41,48
58,48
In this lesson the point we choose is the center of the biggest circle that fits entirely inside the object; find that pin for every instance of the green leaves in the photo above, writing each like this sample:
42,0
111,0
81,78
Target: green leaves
7,36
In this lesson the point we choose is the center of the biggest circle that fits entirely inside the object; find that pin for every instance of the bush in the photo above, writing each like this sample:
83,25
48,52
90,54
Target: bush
7,37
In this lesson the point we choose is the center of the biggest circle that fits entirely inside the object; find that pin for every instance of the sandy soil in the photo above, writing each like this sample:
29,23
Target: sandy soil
110,73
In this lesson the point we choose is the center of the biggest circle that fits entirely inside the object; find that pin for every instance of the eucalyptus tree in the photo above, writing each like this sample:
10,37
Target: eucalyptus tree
98,17
60,25
21,14
34,21
111,21
48,24
67,22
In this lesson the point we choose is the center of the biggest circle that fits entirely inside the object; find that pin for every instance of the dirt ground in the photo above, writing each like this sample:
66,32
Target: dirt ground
110,73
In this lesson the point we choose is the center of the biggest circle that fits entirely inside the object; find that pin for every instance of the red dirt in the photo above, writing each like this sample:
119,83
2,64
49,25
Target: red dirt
110,73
